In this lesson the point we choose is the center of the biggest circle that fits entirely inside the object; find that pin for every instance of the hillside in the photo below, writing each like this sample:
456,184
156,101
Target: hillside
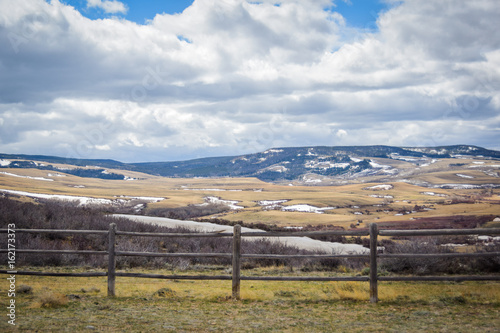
305,165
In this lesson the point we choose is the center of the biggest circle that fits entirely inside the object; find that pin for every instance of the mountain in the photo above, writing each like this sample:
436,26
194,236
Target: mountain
322,164
292,163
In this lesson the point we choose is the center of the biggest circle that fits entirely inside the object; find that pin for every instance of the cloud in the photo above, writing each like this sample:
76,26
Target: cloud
231,77
109,7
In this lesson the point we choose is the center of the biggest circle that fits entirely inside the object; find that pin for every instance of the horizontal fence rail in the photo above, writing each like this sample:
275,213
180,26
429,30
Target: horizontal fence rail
236,256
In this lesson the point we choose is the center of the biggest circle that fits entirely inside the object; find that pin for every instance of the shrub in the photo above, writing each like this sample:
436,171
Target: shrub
164,292
24,289
63,215
49,299
188,212
487,264
417,266
435,265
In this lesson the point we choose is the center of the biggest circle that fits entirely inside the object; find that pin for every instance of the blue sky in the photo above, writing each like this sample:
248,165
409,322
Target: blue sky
174,80
137,11
358,13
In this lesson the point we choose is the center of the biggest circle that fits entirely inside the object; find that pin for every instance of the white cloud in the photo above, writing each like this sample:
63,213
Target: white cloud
110,7
341,133
231,77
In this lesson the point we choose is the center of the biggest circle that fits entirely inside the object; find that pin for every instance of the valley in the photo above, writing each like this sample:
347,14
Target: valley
401,189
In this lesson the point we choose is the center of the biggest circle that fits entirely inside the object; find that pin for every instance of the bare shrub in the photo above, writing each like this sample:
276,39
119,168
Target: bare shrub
63,215
486,264
418,266
188,212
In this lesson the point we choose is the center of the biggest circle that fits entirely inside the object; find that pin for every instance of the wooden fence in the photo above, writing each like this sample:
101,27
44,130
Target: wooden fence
237,256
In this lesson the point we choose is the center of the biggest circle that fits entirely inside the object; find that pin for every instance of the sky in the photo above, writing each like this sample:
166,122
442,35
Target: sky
140,81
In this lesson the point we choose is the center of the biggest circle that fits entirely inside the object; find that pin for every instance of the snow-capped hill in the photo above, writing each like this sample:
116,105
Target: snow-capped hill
320,165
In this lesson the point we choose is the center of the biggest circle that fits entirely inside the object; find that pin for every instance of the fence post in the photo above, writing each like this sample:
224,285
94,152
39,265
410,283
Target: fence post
111,259
236,261
373,263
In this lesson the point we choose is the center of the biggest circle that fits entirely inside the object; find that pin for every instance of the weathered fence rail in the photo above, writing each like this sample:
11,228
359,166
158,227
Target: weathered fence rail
237,256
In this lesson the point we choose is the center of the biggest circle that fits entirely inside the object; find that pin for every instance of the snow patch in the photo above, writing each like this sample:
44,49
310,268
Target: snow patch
376,165
4,163
434,194
382,196
491,173
148,199
82,201
271,204
310,152
325,165
305,208
381,187
316,180
464,176
270,151
459,186
428,164
303,243
277,204
27,177
216,200
276,168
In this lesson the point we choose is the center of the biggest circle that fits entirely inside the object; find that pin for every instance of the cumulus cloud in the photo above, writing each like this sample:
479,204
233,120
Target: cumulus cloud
233,77
110,7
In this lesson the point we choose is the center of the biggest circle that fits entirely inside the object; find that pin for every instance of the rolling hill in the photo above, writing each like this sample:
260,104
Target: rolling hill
307,165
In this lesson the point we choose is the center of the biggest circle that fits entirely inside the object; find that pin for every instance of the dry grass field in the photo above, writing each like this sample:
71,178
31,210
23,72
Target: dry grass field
59,304
353,203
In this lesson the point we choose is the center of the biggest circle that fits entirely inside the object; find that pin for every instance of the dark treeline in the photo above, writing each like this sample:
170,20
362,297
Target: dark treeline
80,172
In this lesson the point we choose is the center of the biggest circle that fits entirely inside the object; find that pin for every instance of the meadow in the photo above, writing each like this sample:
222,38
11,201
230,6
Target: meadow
358,204
152,305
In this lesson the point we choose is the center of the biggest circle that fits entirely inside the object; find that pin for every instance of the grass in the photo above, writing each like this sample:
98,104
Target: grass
152,305
251,190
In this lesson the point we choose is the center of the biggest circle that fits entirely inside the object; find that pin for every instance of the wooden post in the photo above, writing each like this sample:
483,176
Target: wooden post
373,263
111,260
236,261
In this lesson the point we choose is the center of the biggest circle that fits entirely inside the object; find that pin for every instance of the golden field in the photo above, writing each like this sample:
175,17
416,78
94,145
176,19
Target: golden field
69,304
353,202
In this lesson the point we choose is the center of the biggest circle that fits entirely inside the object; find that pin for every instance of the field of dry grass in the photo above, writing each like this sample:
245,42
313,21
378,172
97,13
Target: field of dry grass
353,202
152,305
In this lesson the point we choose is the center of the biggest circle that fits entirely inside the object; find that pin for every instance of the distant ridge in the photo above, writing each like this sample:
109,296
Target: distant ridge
287,163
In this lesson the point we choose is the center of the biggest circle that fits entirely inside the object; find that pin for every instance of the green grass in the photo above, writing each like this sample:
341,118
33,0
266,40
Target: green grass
153,305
